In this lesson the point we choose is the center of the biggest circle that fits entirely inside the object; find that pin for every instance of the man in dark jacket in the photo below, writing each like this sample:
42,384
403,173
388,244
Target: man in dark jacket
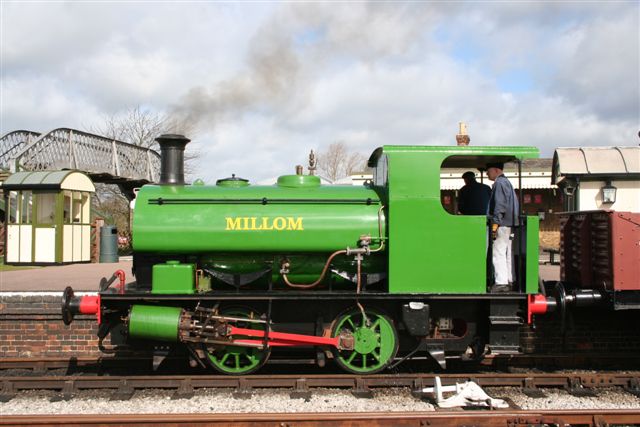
474,197
503,215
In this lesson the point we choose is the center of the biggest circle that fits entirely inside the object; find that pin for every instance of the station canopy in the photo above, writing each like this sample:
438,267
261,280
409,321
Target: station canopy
596,162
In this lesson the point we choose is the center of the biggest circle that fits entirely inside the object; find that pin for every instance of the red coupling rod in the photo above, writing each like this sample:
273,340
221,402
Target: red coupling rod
282,339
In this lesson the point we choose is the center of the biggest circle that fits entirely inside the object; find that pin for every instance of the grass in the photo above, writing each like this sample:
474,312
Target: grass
4,267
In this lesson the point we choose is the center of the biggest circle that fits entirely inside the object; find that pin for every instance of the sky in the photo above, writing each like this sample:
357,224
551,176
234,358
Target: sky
259,84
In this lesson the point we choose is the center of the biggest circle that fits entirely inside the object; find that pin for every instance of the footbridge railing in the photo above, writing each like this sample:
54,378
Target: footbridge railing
105,159
14,142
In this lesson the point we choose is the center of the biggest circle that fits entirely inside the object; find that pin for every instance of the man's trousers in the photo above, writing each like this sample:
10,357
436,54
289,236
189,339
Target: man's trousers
502,257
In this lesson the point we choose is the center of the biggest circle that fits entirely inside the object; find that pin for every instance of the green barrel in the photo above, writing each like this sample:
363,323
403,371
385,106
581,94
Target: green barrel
154,323
108,244
298,215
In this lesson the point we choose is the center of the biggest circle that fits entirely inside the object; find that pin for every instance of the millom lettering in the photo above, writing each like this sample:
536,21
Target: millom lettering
294,224
252,223
279,223
265,224
233,223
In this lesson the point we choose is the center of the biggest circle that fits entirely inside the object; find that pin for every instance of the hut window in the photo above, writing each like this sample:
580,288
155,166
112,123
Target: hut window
85,208
77,207
26,207
12,209
46,203
67,207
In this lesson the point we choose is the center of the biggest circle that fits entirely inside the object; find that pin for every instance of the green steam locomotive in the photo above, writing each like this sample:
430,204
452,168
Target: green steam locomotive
365,276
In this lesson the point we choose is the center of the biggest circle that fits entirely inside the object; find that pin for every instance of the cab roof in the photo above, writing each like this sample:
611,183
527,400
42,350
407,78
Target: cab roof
461,157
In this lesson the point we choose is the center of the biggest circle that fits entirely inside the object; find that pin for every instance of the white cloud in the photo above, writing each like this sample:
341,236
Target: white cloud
270,81
600,67
47,100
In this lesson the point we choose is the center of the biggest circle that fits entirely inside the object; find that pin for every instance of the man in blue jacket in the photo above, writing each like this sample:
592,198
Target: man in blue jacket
474,196
503,215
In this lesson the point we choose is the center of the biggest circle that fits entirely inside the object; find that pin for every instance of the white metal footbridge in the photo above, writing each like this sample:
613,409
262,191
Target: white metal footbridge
104,159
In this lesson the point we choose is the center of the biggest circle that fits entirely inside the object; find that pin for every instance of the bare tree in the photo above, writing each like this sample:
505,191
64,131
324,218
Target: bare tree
139,127
337,162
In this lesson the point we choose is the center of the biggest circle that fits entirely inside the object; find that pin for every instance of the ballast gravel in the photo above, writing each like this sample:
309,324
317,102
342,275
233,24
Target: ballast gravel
279,401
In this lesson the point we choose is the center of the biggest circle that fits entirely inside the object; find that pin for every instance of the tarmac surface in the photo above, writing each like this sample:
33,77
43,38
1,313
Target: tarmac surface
86,277
81,277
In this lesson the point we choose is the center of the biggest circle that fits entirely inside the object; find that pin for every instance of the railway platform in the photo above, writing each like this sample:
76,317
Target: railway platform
81,277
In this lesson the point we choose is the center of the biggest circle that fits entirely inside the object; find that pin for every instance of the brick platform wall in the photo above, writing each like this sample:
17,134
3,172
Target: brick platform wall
32,326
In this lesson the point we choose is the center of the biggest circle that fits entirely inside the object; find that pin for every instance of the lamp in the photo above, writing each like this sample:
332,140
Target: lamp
569,188
609,193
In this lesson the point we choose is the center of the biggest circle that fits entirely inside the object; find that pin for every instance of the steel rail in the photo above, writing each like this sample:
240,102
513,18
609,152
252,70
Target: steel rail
72,384
506,418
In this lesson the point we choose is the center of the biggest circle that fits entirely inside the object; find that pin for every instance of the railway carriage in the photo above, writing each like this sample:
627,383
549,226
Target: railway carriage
366,276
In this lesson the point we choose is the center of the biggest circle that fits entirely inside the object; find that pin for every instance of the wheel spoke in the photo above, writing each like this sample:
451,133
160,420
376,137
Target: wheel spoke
238,360
375,341
375,324
353,326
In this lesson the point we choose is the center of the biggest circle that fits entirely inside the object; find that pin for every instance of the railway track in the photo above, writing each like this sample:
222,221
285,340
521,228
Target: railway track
421,419
301,386
361,386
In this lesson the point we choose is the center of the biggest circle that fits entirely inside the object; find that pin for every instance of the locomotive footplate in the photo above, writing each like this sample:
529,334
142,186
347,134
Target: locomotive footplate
144,297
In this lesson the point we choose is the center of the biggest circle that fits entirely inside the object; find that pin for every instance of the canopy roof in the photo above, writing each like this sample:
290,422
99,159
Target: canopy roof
54,180
596,162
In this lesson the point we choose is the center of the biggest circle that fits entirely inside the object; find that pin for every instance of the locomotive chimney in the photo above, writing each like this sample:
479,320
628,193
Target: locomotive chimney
172,158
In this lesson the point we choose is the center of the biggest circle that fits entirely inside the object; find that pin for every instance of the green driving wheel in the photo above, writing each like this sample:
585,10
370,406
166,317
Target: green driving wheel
375,341
237,360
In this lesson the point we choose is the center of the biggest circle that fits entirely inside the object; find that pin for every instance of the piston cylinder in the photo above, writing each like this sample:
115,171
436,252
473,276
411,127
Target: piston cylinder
154,323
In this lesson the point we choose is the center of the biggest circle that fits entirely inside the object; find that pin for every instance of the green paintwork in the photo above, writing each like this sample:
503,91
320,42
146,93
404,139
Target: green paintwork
200,228
173,278
296,181
59,225
305,267
238,360
154,323
375,342
533,225
431,251
229,182
250,229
